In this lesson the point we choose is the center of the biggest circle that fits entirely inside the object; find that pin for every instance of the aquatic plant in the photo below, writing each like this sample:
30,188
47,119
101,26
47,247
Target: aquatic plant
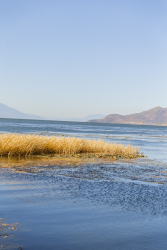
31,144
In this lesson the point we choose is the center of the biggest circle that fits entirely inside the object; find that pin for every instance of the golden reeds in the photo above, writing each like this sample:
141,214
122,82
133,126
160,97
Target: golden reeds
30,144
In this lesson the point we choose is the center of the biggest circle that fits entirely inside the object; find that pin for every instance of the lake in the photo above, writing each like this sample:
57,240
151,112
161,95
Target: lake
110,205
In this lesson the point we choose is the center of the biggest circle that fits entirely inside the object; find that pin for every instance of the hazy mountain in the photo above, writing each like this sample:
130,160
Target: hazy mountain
84,119
155,116
7,112
96,116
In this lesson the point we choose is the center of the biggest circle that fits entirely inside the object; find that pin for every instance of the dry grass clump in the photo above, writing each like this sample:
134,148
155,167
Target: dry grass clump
29,144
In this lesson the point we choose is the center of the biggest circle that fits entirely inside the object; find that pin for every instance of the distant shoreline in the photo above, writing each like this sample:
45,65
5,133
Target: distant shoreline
130,123
90,121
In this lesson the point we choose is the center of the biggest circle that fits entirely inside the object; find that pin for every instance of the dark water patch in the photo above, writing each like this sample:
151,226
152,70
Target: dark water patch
130,195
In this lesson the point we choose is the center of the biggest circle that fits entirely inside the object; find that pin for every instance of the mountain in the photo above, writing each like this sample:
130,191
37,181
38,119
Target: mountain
7,112
154,116
84,119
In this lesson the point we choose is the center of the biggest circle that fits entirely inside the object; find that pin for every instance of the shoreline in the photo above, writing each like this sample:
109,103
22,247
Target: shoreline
20,163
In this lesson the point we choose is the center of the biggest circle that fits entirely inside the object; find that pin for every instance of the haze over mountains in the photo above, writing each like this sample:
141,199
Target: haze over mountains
8,112
84,119
154,116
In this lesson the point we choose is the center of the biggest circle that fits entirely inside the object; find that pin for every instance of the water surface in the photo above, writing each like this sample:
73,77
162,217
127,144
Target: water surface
115,205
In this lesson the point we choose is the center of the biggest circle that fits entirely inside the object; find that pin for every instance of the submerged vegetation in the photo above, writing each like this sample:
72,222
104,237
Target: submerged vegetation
14,145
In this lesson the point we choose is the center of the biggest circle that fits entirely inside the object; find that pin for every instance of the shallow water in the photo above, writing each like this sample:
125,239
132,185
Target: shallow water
110,205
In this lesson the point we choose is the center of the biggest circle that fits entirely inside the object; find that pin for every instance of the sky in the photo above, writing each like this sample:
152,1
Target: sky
73,58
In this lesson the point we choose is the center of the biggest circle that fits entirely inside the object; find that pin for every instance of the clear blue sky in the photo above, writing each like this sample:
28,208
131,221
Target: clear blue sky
73,58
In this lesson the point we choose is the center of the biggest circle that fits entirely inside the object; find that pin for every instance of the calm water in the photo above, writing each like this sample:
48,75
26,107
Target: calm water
118,205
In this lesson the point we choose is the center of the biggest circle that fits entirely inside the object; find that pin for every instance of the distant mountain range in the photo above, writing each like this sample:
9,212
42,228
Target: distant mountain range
155,116
84,119
8,112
